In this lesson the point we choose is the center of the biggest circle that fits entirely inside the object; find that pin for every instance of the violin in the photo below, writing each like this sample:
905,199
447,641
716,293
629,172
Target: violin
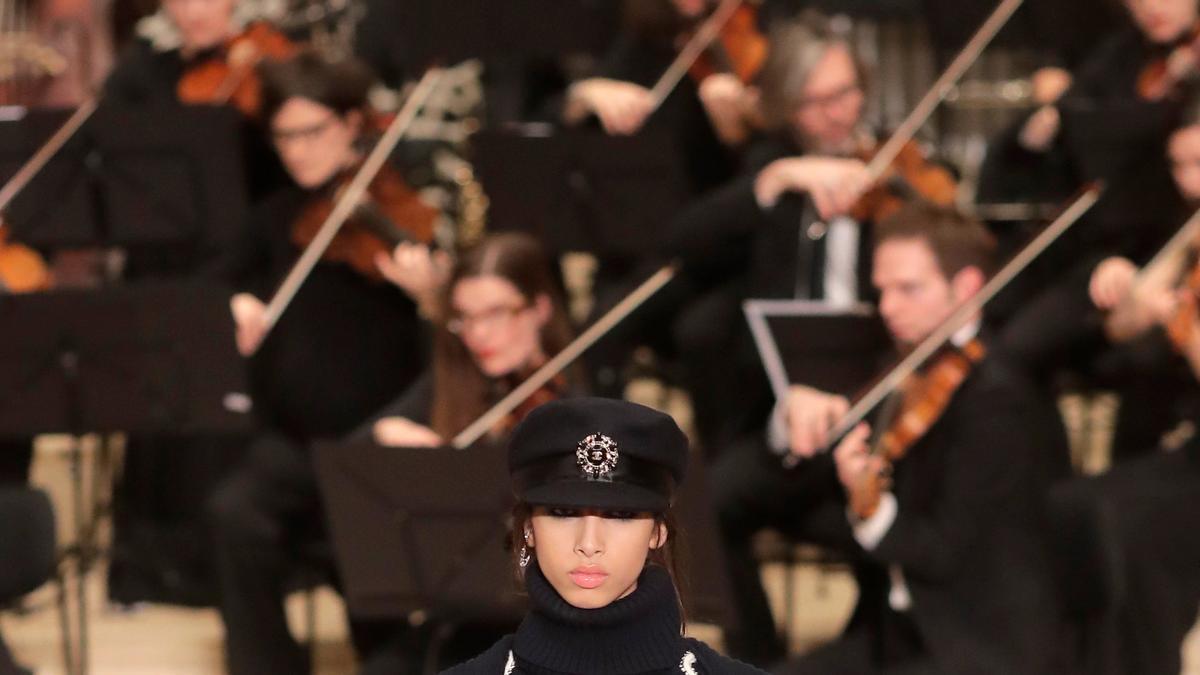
1181,326
922,399
740,48
552,390
909,176
229,76
1161,77
22,270
390,213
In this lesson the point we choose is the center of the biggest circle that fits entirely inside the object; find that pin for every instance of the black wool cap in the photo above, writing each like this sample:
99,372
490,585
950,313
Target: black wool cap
597,453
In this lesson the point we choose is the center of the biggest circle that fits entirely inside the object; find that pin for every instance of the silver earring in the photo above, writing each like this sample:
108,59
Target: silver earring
524,557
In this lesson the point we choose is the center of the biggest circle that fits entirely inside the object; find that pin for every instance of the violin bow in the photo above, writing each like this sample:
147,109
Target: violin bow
50,148
941,88
1161,263
564,358
965,311
708,31
349,200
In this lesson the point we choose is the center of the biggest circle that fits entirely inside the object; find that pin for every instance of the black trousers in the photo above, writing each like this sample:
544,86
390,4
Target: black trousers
893,647
16,455
752,492
1155,504
268,523
15,458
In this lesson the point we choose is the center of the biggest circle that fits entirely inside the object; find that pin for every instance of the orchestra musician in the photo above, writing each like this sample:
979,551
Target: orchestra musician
697,114
1140,364
348,343
502,318
1154,498
937,555
147,73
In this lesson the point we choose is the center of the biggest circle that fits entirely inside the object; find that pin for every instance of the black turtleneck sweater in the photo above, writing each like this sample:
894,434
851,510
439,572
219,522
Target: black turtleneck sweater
636,634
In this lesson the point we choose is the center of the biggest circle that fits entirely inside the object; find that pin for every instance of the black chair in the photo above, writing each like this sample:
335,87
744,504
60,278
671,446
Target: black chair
29,551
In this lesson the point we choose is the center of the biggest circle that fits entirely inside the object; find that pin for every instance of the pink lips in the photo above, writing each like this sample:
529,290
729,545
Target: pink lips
589,576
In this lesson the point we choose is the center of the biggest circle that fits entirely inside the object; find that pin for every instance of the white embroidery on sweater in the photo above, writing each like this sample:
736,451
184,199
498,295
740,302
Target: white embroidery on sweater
686,663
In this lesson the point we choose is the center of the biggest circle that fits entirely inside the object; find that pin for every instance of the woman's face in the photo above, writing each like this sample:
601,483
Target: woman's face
202,23
1163,21
313,141
1183,151
499,326
592,557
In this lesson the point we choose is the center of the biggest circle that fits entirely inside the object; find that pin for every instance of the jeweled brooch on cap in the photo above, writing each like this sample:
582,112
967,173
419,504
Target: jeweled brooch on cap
597,456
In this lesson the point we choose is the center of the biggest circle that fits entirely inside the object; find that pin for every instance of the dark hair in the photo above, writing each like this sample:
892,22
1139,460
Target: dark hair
797,45
957,241
341,85
670,556
462,392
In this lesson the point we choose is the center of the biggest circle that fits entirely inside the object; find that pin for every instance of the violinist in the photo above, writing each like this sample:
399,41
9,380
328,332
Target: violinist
504,318
1154,498
149,71
1139,363
349,342
620,98
948,553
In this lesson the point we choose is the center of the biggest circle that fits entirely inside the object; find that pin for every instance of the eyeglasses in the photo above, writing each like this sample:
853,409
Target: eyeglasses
283,136
488,318
832,98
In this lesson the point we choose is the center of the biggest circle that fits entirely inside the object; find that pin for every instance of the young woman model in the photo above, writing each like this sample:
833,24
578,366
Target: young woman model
593,538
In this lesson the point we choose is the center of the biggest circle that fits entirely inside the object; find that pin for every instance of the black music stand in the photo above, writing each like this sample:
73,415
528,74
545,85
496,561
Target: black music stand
424,530
148,180
141,359
582,190
836,349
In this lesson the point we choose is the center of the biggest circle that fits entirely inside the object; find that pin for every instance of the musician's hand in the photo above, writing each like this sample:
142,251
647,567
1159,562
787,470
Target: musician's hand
622,107
1049,84
249,313
400,432
727,102
811,414
1111,282
1041,129
834,183
417,270
853,458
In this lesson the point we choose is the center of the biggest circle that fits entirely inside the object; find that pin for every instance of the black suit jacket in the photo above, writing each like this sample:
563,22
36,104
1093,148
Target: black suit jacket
726,234
969,534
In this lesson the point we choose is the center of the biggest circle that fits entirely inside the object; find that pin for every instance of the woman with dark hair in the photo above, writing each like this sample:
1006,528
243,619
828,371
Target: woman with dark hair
348,343
503,317
593,537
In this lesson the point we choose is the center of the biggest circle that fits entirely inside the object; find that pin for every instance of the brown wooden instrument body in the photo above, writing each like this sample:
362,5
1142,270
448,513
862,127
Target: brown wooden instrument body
1157,81
922,177
924,398
740,49
392,213
1181,326
22,270
230,77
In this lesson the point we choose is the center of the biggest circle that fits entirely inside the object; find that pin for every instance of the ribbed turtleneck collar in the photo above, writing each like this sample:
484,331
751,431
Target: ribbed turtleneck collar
639,633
